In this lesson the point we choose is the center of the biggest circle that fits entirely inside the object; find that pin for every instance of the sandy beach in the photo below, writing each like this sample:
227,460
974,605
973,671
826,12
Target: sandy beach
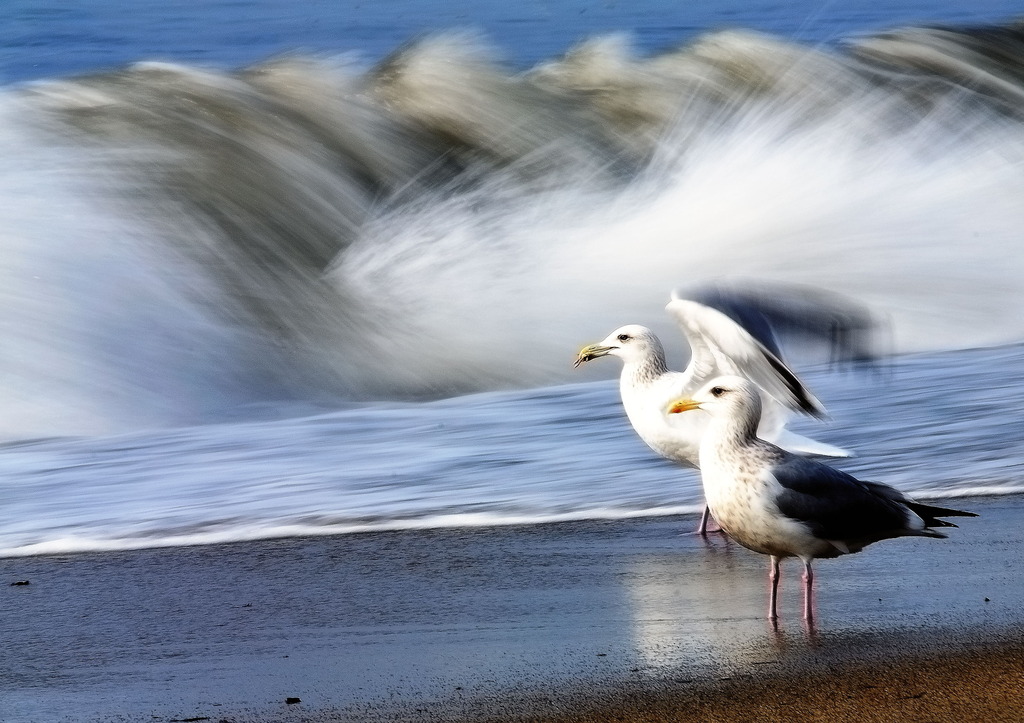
600,620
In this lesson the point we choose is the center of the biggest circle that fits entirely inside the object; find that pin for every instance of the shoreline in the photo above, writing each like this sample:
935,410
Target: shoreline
560,622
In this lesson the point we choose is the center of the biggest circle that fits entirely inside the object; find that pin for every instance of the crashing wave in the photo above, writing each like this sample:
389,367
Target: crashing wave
180,240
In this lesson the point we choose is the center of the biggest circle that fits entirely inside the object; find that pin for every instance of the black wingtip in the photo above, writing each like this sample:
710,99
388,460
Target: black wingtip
804,399
946,512
931,514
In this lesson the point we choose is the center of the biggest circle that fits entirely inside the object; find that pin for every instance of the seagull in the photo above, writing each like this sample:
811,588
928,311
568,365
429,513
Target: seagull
718,346
782,505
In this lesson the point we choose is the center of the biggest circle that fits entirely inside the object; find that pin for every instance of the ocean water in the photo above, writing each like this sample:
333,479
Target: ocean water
270,270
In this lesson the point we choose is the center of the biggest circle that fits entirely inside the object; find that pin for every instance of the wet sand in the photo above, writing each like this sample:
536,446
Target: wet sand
631,620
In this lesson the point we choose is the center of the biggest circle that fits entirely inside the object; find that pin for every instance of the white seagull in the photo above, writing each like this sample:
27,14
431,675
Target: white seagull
782,505
718,346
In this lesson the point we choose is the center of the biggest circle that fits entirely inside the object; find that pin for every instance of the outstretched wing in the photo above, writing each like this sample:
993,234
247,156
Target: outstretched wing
721,346
812,317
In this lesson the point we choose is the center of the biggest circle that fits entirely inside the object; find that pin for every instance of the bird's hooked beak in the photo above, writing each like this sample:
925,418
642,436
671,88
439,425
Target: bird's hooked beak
683,405
591,352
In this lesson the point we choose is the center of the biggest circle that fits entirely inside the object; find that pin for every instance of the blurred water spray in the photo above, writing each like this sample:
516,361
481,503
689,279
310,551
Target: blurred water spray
178,242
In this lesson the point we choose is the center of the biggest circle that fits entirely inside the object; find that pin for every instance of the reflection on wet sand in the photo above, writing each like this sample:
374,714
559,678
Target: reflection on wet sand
703,607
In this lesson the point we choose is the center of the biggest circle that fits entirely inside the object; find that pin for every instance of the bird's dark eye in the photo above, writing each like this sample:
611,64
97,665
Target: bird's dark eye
623,337
717,391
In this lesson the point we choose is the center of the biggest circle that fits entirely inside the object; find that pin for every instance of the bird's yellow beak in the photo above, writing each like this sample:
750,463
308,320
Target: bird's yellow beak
683,405
590,352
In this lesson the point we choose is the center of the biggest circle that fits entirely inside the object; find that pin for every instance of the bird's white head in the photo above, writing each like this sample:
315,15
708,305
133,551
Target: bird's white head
632,343
728,397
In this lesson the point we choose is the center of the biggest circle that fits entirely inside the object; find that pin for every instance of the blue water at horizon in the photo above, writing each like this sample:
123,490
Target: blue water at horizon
70,38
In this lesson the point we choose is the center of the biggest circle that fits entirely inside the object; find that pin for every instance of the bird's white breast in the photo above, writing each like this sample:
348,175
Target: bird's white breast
743,502
676,436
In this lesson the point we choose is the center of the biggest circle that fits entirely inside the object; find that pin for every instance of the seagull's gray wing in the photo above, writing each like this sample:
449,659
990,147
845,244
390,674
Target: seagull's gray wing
721,346
838,507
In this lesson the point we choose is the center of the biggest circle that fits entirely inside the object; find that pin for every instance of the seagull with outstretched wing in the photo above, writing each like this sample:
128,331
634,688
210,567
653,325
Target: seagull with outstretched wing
718,346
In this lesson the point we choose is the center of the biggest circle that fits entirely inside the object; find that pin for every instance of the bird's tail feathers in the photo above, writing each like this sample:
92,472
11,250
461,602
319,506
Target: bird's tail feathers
931,514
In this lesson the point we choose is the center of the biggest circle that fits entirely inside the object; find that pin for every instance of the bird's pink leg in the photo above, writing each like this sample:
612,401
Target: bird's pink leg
808,593
707,523
702,528
773,588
